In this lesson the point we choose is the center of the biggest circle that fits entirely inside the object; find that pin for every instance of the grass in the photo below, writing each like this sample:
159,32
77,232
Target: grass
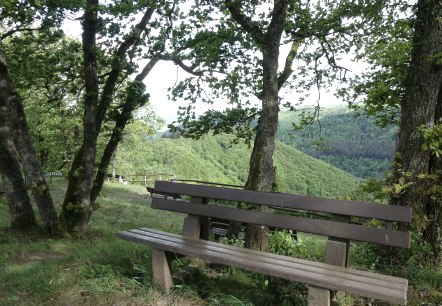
102,270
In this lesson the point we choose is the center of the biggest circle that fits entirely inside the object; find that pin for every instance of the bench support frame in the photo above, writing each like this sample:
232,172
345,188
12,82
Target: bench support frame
161,270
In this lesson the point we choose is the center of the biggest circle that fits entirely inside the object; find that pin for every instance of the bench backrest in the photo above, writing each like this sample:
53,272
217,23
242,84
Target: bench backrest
340,213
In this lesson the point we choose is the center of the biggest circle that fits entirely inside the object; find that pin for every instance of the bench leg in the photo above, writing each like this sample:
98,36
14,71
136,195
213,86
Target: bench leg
161,270
192,227
336,253
318,296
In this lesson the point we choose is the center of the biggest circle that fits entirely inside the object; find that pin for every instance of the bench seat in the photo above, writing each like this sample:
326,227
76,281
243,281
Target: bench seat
372,285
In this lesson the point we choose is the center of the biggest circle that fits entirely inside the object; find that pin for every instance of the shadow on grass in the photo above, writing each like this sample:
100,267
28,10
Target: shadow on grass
221,285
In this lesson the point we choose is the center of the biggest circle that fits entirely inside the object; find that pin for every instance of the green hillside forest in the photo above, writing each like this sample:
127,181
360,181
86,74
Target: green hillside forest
354,144
213,159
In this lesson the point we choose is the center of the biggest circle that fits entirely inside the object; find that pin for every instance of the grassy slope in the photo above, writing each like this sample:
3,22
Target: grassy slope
212,159
102,270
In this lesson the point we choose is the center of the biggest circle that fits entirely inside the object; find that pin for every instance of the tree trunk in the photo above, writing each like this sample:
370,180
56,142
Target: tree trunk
20,208
117,133
34,174
109,150
262,173
418,109
76,207
114,164
433,209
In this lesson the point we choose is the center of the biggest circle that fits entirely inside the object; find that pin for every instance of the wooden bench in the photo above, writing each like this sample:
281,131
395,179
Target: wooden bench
153,193
2,191
340,228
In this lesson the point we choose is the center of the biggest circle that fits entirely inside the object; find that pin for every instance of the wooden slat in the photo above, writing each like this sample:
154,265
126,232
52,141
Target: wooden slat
314,226
283,200
390,281
313,273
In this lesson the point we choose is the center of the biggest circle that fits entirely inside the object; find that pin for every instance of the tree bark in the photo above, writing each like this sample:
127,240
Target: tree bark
20,208
433,208
34,173
76,207
419,109
262,173
114,164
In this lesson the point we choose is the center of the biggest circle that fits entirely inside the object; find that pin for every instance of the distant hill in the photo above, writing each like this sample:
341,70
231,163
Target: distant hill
213,159
353,144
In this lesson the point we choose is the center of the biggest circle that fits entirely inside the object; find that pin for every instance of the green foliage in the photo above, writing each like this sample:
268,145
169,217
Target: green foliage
353,144
214,159
379,90
232,241
229,58
424,279
236,121
281,242
50,92
432,139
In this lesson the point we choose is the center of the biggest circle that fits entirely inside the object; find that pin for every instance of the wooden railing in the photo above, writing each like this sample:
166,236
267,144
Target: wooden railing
148,178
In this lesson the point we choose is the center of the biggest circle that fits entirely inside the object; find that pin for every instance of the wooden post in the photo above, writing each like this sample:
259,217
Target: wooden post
336,253
318,296
161,270
204,224
197,228
191,227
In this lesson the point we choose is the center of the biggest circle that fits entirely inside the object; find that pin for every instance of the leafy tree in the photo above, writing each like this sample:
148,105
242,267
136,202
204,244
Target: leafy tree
122,46
420,110
58,81
50,92
405,89
15,17
237,58
379,89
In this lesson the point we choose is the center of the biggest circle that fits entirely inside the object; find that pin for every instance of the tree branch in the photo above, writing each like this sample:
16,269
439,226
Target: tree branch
179,62
287,72
109,87
246,23
330,55
12,32
148,67
276,26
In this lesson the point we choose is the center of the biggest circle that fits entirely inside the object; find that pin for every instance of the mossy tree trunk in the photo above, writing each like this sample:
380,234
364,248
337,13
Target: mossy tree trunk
433,206
31,166
76,207
22,215
133,101
419,110
77,204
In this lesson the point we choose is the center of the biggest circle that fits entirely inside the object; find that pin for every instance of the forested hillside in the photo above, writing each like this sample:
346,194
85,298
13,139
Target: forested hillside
213,159
353,144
